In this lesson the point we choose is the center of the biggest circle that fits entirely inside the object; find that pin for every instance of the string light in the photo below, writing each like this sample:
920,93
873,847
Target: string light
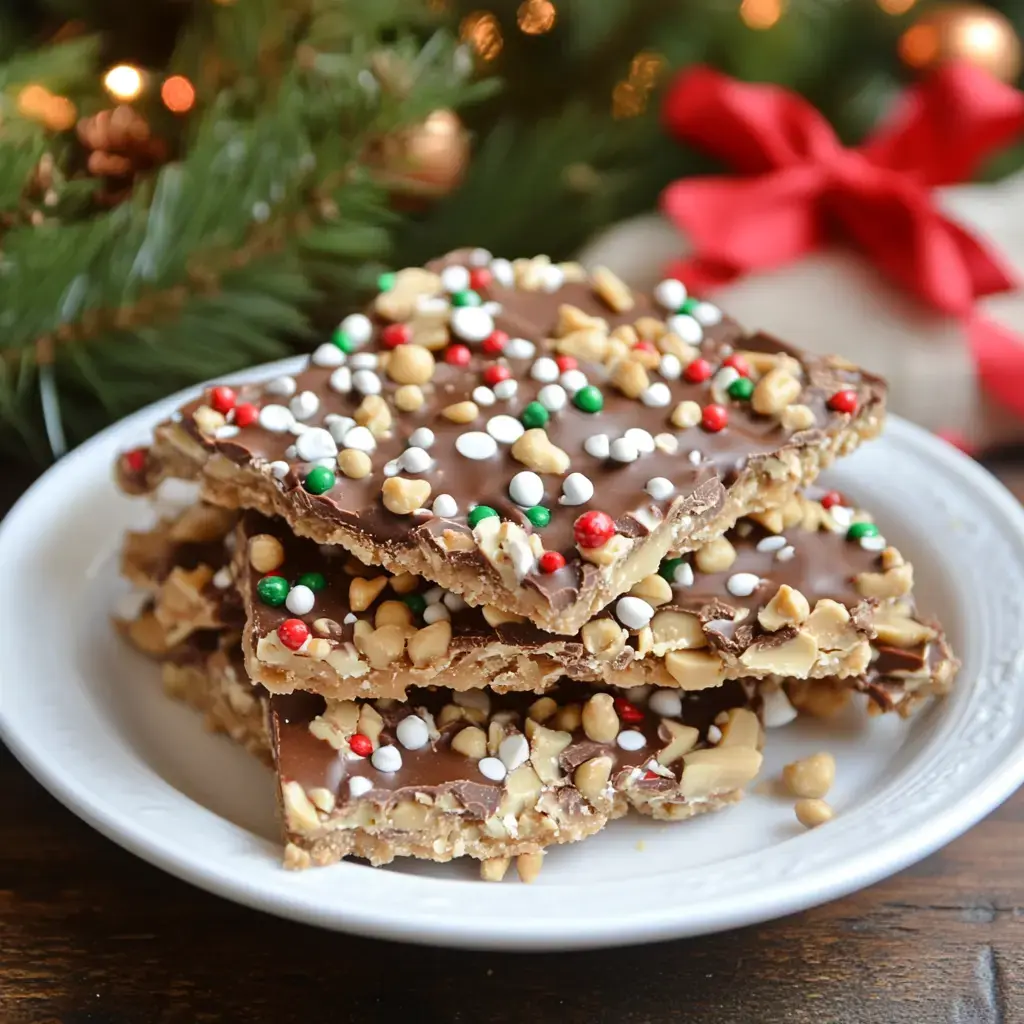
123,82
760,14
627,101
896,6
629,97
482,31
57,113
535,17
919,45
178,94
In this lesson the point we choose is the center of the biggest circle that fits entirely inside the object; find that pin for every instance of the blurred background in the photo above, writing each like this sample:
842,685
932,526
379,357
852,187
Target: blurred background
188,187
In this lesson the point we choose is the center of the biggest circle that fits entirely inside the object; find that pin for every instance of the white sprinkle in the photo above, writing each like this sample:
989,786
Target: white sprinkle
514,750
300,600
631,739
576,490
297,428
229,430
552,397
316,443
223,577
455,279
432,305
714,734
361,439
786,554
282,387
641,439
520,348
623,450
695,457
475,444
633,612
656,395
453,602
364,361
341,380
357,328
435,613
279,469
339,426
412,732
683,576
573,380
387,759
349,619
659,488
771,543
506,389
776,710
667,703
667,443
742,584
483,395
597,445
471,323
327,355
276,418
744,528
366,382
685,327
479,258
841,515
670,294
491,768
304,405
552,277
873,543
421,437
544,370
503,272
526,489
359,786
721,382
707,314
290,453
670,367
445,506
433,595
415,460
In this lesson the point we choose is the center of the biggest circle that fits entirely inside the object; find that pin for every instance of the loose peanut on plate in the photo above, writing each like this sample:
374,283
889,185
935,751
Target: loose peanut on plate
812,813
811,776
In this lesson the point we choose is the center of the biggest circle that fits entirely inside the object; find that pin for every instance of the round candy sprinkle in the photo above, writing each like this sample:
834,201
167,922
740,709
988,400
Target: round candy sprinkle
623,450
831,499
282,387
481,258
741,388
466,298
685,327
496,373
659,488
315,581
135,460
476,445
738,363
327,355
666,703
360,744
471,323
844,401
772,543
742,584
520,348
223,399
246,414
483,396
689,305
573,380
387,759
357,328
506,429
280,469
478,514
631,739
697,372
544,370
670,294
670,367
415,460
491,768
592,529
566,363
495,342
551,561
588,399
385,282
300,600
577,489
526,489
396,334
457,355
597,445
539,516
503,272
412,733
272,590
366,382
421,437
454,279
552,397
683,576
706,314
506,389
858,531
514,750
656,395
360,438
343,341
480,278
316,443
435,613
341,380
359,786
714,418
534,415
445,506
633,612
416,603
627,711
874,543
293,633
641,438
319,480
667,569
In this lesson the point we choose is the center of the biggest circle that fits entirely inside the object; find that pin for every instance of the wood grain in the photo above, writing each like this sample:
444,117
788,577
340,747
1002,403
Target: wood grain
89,933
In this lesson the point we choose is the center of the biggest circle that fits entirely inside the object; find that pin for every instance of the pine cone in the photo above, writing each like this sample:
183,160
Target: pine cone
122,147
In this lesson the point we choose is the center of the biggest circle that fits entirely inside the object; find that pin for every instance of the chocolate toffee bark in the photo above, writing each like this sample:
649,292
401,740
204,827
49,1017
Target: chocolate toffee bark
492,776
525,435
793,593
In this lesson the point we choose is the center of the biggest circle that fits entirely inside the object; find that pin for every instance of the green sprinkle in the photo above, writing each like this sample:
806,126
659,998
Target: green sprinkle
479,513
858,531
386,282
416,603
667,571
589,399
314,580
539,516
688,306
342,340
319,480
466,298
534,415
272,590
741,388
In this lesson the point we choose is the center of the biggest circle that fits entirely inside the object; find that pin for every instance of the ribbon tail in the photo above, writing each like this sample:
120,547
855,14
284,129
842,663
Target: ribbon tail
999,357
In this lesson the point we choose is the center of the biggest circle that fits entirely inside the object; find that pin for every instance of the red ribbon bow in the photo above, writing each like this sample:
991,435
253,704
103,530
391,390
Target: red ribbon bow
802,189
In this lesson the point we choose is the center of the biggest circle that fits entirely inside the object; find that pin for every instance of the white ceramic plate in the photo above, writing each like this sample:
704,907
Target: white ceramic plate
87,718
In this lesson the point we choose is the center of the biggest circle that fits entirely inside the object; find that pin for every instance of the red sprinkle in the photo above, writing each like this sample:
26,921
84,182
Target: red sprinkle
628,712
135,460
457,355
293,633
697,372
396,334
360,744
844,401
593,529
480,278
644,346
739,364
566,363
551,561
495,342
496,373
832,498
246,414
222,399
714,418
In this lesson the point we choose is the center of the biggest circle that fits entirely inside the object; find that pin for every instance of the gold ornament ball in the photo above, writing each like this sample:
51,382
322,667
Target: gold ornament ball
968,32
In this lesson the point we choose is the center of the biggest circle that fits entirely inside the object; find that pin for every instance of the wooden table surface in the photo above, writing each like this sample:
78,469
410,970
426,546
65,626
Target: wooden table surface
89,933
